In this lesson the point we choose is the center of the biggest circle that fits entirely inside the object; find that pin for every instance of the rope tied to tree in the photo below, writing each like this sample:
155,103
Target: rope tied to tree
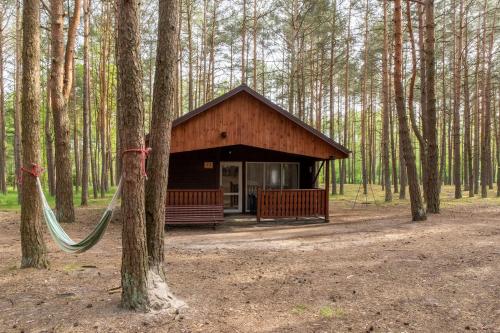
144,155
36,171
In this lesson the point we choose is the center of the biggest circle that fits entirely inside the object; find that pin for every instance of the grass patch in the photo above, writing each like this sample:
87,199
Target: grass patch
328,312
376,196
8,202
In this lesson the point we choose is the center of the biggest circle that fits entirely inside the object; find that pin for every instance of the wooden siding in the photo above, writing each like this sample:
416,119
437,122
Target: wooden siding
247,121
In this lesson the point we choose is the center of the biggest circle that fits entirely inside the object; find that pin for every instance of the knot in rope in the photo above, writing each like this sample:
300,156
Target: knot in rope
144,154
36,171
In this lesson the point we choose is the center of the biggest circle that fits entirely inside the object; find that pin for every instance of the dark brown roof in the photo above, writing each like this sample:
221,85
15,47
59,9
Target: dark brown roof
266,101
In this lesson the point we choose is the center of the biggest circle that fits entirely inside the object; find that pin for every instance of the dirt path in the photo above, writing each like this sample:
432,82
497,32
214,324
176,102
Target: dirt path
369,270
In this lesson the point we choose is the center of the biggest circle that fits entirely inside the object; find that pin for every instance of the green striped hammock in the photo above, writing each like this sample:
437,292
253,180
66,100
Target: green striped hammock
61,237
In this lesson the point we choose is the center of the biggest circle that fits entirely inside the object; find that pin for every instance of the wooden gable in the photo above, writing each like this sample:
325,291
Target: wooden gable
242,118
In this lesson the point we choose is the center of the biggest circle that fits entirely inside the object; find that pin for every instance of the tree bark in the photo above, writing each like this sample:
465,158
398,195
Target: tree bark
467,117
134,271
332,92
457,181
86,103
3,184
243,43
61,82
162,113
346,101
432,177
417,209
385,114
34,252
487,172
17,107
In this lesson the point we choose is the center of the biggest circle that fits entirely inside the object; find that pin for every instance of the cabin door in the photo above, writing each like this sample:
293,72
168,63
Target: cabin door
231,181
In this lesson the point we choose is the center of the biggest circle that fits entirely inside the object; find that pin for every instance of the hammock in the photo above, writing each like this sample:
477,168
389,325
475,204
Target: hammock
61,237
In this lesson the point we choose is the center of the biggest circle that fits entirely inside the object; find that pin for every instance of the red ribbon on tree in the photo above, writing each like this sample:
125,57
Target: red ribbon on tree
36,171
144,154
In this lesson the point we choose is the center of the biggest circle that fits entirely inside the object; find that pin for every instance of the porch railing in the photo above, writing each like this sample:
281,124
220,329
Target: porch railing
291,203
195,197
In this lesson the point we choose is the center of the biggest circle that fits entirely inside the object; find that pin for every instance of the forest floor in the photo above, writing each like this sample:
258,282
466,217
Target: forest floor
370,269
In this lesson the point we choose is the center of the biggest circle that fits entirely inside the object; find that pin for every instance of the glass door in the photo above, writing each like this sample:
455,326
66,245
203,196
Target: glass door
230,181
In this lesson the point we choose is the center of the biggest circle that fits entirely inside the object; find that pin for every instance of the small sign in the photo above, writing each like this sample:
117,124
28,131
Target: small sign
208,165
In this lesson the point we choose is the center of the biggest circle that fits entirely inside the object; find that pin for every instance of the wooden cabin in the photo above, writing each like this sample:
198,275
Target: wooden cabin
241,153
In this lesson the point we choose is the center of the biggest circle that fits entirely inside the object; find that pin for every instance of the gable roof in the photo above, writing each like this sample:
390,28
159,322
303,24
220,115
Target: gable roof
244,88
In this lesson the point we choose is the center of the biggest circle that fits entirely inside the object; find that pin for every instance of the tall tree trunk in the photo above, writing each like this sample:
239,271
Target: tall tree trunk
243,43
456,107
86,103
332,92
254,49
163,110
364,106
417,208
34,252
477,111
385,114
134,271
486,115
346,100
76,134
189,10
467,117
103,106
432,179
497,144
17,107
61,82
3,184
48,132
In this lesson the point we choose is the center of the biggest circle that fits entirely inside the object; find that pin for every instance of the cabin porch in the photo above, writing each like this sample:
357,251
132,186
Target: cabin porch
245,180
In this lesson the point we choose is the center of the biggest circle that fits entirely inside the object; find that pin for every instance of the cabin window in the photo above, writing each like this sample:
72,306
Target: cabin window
269,175
273,176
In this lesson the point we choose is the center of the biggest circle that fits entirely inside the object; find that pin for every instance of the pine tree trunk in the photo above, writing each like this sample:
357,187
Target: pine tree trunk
134,270
48,132
467,118
76,135
364,106
332,93
17,107
61,83
86,103
34,252
189,11
346,101
417,209
432,178
3,184
162,113
457,181
103,109
243,43
486,116
385,114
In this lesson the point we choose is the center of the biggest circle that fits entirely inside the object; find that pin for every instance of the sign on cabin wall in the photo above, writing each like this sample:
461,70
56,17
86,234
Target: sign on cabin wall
208,165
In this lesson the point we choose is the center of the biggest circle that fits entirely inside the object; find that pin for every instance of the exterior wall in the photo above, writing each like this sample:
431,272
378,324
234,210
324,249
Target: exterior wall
245,120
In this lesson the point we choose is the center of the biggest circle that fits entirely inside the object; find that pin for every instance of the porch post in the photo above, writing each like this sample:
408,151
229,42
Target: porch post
327,190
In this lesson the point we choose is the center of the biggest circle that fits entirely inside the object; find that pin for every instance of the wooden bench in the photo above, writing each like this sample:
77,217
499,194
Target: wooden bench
194,214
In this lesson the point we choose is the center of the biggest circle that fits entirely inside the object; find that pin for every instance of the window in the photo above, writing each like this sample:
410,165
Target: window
269,175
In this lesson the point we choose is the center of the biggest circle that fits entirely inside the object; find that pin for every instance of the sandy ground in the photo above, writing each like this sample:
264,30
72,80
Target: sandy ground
369,270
